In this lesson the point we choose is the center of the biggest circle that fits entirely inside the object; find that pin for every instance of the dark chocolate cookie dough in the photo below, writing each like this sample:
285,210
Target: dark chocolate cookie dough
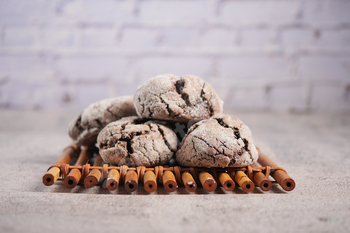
221,141
137,142
169,97
86,126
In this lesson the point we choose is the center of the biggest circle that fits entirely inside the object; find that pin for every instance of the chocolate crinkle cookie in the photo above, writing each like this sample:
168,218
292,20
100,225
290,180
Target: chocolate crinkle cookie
86,126
137,142
221,141
169,97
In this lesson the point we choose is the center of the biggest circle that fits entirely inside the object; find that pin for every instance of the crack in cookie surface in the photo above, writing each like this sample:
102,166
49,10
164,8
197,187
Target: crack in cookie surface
141,140
166,142
236,132
180,85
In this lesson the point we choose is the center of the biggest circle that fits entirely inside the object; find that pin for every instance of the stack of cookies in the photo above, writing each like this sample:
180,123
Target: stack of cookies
140,130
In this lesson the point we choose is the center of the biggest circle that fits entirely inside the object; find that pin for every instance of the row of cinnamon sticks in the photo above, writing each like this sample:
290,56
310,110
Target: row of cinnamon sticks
189,177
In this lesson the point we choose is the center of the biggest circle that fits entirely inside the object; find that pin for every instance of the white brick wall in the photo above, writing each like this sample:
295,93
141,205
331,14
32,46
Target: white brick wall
280,55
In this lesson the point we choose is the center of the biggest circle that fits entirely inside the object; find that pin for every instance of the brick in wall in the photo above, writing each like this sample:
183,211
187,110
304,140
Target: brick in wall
98,37
247,98
330,98
58,38
324,67
138,38
26,67
174,37
96,12
259,12
254,67
217,38
80,68
257,37
17,12
152,66
185,12
325,12
297,37
288,98
338,38
85,94
20,37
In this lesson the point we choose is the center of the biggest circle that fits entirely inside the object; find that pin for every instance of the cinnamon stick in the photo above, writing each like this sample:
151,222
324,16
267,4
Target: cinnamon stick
55,172
169,181
244,182
208,182
149,182
189,182
113,179
282,178
94,176
262,181
227,183
131,181
74,175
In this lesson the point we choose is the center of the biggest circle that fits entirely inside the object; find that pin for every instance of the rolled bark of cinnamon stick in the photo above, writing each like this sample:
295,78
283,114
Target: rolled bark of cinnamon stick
169,181
149,182
131,181
227,183
113,179
282,178
54,173
208,181
244,182
189,182
94,176
262,181
74,175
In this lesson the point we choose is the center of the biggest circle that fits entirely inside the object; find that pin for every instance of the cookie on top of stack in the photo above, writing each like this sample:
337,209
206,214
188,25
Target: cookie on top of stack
139,130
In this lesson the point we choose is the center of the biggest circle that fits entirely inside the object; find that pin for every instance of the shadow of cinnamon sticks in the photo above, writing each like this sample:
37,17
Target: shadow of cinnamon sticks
80,189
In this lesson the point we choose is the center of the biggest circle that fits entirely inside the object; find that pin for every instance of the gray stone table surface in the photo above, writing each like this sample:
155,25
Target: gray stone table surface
313,148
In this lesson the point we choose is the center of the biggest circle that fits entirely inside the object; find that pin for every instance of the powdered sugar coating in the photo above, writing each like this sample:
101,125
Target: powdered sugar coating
137,142
221,141
86,126
169,97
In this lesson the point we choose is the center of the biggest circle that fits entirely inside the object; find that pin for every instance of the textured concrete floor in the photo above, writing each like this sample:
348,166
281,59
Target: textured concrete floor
313,148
